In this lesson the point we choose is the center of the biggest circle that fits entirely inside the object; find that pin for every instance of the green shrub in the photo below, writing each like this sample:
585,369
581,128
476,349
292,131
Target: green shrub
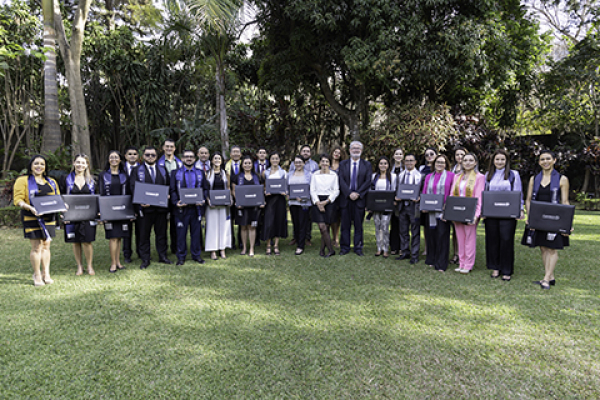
10,216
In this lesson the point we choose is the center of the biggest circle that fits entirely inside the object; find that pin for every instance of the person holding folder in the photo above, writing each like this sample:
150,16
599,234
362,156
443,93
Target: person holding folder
275,215
218,227
82,233
500,232
409,214
247,217
299,208
383,179
114,182
552,187
324,189
39,229
437,230
469,183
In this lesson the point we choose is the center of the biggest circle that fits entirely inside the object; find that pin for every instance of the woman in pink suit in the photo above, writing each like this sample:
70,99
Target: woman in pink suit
469,183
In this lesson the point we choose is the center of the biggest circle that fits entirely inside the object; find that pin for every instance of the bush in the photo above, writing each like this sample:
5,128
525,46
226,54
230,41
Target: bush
10,216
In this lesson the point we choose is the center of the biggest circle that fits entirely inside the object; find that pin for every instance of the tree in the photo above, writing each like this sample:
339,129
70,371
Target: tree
70,51
52,136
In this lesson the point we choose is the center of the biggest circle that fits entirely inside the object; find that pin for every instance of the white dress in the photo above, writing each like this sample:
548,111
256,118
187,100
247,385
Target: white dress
218,224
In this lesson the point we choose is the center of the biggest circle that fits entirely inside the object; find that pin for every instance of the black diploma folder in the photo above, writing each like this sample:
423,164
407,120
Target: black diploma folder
48,204
551,217
460,209
249,195
276,186
501,204
300,191
220,197
191,196
408,192
116,208
80,207
431,202
151,194
380,200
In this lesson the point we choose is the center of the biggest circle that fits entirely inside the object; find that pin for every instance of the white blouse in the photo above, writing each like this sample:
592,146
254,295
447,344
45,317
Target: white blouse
324,185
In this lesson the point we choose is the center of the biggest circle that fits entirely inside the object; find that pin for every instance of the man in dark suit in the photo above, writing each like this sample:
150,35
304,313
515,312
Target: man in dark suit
409,214
355,180
151,216
131,157
188,216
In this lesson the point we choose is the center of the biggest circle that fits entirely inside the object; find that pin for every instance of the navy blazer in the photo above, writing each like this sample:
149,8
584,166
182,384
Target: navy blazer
162,178
363,181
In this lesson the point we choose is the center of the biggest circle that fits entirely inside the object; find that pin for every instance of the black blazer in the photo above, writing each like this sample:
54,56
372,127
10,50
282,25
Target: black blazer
363,181
162,178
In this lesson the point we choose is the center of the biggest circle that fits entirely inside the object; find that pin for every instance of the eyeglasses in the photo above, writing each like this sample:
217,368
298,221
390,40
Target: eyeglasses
150,155
188,156
409,161
429,154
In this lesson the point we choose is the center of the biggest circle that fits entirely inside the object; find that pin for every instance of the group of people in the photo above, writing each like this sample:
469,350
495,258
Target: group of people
337,204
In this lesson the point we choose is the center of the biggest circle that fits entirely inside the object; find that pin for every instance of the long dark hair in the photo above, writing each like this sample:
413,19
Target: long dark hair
32,159
388,174
121,166
492,167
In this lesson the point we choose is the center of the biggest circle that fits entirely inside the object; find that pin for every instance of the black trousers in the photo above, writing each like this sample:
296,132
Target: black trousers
395,233
127,250
409,232
500,244
173,228
159,222
300,221
352,214
438,245
233,211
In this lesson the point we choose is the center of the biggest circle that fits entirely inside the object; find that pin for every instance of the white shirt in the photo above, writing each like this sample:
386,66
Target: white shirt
324,185
412,177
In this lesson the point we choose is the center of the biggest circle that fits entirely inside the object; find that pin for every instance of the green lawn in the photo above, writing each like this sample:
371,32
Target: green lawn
301,327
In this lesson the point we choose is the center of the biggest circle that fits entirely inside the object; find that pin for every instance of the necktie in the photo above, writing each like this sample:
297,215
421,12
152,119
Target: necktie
353,178
235,168
262,168
152,175
206,168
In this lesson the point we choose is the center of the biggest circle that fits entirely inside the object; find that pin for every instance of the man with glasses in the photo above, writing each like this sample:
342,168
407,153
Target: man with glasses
233,167
150,216
355,181
131,158
409,215
188,216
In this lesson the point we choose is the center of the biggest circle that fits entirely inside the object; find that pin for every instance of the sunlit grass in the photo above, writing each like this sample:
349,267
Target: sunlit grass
301,327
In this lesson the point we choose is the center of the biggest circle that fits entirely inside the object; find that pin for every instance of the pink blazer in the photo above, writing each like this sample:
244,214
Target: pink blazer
479,186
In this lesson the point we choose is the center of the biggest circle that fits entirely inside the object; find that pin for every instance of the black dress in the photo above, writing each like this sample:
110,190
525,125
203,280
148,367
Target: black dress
276,224
31,227
83,231
541,238
247,215
116,229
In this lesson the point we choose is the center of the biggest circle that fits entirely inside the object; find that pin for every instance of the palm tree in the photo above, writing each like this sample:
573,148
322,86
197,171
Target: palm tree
51,136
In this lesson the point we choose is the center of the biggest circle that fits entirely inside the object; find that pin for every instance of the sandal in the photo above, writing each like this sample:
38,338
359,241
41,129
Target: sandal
223,256
506,278
213,256
495,274
455,261
544,284
276,251
268,252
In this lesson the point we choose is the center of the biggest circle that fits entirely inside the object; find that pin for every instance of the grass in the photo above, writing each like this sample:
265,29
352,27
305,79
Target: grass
301,327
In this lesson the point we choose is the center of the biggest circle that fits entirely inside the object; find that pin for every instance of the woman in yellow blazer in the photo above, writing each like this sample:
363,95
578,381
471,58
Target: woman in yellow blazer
39,229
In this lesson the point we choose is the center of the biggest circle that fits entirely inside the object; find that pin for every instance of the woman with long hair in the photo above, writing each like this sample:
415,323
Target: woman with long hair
81,234
382,179
324,189
39,229
396,169
299,208
500,232
426,168
459,153
551,187
275,221
218,227
247,217
469,183
437,230
114,182
337,155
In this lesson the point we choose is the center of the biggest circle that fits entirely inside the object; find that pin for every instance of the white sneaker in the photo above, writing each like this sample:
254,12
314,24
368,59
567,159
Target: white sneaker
459,269
464,271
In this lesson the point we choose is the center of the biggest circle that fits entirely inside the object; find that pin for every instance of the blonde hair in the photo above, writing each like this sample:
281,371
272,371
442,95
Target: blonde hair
86,174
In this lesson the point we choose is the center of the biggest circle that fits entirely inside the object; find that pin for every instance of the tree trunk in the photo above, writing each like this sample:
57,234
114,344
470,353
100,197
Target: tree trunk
586,180
221,109
71,53
51,136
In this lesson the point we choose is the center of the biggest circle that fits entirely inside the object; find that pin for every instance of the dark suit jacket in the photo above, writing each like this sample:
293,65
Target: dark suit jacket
363,182
162,178
175,192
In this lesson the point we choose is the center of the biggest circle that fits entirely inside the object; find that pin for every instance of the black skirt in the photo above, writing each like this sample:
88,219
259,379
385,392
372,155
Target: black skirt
116,229
247,216
37,232
81,232
327,217
276,223
540,238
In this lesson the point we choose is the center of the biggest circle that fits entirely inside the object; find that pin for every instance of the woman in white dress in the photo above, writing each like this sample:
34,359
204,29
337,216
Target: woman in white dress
218,226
